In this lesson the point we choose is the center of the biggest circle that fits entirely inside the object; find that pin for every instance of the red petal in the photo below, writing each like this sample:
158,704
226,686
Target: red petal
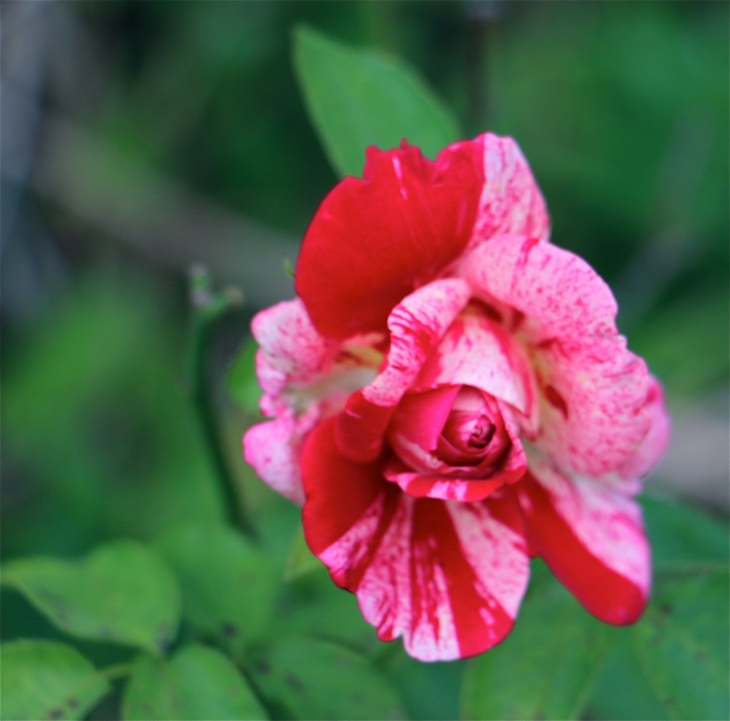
419,420
337,490
419,485
448,577
373,241
592,539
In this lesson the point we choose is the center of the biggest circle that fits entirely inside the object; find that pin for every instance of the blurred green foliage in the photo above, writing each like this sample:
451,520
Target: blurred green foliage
198,682
622,111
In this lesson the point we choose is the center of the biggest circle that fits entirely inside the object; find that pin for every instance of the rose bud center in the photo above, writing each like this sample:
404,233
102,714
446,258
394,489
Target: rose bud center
470,429
466,431
450,431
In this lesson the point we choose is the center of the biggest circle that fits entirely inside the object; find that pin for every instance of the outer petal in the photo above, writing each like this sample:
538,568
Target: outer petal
373,241
511,201
594,391
291,350
592,538
448,577
655,441
274,450
416,326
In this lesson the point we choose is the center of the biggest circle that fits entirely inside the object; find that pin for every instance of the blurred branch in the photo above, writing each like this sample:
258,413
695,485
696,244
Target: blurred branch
133,203
207,307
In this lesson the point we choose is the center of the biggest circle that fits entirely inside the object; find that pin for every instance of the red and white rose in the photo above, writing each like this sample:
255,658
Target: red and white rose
450,397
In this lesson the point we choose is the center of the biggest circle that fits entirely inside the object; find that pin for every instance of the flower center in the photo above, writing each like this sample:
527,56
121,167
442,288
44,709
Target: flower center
472,429
467,430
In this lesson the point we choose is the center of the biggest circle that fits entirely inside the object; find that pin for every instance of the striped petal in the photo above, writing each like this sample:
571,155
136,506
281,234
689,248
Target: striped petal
446,576
591,537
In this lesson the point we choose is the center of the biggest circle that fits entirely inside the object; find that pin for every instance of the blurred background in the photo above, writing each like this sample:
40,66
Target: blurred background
139,138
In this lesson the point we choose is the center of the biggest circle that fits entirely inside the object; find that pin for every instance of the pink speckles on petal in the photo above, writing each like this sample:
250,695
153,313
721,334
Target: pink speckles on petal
593,389
274,449
416,325
559,294
291,350
511,201
477,351
654,443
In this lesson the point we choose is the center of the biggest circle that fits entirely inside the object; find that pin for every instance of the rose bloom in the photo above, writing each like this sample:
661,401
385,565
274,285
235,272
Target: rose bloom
450,398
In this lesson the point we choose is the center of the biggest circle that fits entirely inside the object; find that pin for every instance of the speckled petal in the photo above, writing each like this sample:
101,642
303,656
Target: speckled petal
594,392
446,576
591,537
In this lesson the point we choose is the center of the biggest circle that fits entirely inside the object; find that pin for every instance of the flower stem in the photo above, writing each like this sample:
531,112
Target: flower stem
207,308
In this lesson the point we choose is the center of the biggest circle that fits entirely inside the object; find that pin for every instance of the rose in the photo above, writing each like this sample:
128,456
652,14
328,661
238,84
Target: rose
451,396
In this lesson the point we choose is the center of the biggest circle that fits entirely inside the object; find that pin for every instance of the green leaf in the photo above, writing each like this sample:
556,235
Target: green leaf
198,683
621,692
682,645
358,98
122,593
301,560
681,535
546,666
47,680
430,691
313,605
311,679
241,379
227,584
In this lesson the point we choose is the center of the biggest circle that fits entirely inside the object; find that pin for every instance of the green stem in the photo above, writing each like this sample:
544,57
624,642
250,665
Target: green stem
205,313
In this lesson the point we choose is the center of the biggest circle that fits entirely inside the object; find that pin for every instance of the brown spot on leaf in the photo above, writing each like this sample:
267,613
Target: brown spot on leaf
72,703
294,683
164,637
229,630
263,666
106,631
56,713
